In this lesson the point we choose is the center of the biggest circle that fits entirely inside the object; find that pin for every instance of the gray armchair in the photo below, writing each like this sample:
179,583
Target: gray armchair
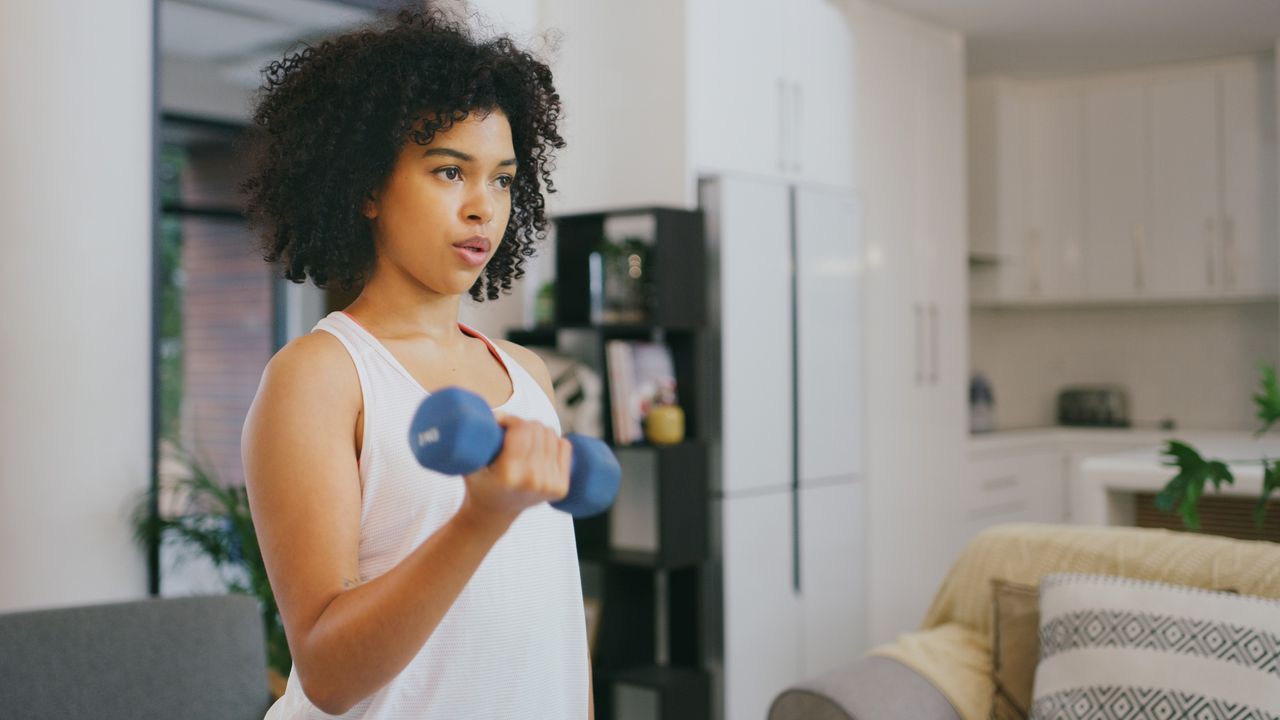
873,688
192,658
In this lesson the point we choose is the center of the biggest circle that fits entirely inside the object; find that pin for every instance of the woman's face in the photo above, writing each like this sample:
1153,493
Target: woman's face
444,209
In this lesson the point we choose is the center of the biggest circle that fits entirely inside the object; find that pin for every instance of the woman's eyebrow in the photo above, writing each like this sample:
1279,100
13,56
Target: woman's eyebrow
450,152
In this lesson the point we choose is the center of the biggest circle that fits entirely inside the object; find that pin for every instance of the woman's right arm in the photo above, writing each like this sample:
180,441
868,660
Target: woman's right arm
348,638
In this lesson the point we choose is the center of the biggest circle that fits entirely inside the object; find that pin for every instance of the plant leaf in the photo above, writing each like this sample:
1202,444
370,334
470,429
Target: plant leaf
1218,473
1270,483
1188,507
1168,498
1182,455
216,521
1183,491
1268,398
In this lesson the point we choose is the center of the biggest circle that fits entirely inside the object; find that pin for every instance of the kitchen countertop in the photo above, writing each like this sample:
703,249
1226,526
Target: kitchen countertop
1121,438
1103,492
1145,469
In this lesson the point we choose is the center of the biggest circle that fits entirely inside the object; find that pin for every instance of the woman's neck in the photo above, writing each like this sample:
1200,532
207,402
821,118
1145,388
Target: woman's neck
407,310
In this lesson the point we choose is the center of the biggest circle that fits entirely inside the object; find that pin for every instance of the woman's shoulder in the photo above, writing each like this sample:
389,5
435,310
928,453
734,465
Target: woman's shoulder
531,362
314,361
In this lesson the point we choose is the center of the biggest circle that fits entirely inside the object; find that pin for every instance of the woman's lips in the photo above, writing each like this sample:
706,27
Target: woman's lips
474,251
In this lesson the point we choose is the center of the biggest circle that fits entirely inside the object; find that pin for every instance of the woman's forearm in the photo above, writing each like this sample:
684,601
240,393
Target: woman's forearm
369,633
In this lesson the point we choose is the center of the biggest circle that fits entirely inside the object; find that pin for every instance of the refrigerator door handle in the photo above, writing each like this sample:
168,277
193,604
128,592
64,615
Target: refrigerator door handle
933,343
797,128
919,337
783,132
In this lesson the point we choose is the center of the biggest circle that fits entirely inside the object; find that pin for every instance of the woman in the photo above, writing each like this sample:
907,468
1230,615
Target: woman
410,160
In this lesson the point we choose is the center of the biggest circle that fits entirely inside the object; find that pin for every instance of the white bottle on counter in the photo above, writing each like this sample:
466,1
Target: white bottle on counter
982,416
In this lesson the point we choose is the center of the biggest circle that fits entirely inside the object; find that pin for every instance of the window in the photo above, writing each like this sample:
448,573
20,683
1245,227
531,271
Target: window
217,309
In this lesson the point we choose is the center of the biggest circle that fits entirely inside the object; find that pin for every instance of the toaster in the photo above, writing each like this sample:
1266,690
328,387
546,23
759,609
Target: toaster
1094,406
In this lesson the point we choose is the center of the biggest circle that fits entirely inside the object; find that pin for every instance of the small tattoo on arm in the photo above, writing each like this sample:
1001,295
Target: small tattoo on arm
348,583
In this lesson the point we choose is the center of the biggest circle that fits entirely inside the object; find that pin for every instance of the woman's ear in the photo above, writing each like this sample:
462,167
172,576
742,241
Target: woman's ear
370,207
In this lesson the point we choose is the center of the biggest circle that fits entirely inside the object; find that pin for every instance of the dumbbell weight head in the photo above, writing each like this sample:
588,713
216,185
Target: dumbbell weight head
593,478
454,432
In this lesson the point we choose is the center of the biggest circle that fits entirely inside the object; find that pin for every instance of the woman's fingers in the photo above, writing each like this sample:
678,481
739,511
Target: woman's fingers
566,464
533,465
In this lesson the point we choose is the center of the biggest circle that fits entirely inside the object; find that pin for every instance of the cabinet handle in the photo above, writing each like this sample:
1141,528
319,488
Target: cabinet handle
919,310
933,343
1137,256
797,129
999,483
1208,251
1033,267
782,125
1229,252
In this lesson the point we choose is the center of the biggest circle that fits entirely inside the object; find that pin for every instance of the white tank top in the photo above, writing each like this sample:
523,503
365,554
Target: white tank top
513,645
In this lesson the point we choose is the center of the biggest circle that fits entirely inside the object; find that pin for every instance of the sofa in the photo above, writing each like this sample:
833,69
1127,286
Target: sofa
195,658
943,671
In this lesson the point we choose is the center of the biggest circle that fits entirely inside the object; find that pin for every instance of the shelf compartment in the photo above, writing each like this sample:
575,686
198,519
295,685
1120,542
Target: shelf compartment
668,693
678,264
659,519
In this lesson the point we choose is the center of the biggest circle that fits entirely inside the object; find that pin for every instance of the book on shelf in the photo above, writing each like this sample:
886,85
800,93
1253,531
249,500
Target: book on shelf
641,375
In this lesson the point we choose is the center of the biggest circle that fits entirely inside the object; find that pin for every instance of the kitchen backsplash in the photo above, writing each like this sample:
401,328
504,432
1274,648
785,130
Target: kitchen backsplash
1194,363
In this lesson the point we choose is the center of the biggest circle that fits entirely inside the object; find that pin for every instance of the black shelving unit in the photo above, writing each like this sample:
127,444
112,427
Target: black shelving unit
654,611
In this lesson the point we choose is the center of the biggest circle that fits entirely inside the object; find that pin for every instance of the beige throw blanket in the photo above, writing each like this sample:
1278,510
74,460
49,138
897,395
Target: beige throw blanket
953,647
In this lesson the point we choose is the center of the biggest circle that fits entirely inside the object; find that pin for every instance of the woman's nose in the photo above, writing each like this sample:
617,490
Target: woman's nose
479,205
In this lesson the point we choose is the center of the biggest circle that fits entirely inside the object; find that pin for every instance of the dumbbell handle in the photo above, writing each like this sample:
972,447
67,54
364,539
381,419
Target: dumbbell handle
454,432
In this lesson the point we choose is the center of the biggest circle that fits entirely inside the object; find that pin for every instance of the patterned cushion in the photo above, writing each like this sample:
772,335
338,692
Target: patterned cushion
1115,648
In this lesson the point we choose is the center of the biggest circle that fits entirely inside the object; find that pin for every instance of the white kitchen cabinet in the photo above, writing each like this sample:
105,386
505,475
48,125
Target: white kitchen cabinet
656,94
819,60
832,605
770,93
762,631
787,289
997,188
910,176
1034,476
1248,224
1162,190
1182,171
1115,181
939,234
1026,189
830,334
1018,485
739,90
1053,234
620,70
750,222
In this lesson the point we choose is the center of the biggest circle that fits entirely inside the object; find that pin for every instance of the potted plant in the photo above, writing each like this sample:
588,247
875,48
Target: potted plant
214,520
1182,493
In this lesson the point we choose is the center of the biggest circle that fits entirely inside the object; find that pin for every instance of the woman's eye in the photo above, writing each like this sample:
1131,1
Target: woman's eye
448,170
505,181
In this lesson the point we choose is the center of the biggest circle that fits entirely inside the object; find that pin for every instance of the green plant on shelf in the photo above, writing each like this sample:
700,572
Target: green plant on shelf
628,280
1182,493
214,521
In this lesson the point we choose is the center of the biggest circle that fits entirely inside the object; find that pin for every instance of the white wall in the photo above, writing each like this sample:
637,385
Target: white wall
601,43
75,250
1195,363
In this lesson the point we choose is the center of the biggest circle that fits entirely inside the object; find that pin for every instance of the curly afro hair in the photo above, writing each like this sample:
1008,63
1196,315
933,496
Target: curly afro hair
331,120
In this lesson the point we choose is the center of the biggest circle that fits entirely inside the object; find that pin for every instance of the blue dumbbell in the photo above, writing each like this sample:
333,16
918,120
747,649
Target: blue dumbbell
454,432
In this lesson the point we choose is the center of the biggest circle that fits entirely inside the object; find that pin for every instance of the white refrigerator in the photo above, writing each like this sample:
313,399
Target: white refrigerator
789,425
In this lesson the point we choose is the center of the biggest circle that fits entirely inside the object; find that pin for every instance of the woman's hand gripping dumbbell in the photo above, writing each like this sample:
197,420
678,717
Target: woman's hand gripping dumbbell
456,433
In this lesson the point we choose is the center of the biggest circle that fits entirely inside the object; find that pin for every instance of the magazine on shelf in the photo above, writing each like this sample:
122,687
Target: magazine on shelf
618,360
641,375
